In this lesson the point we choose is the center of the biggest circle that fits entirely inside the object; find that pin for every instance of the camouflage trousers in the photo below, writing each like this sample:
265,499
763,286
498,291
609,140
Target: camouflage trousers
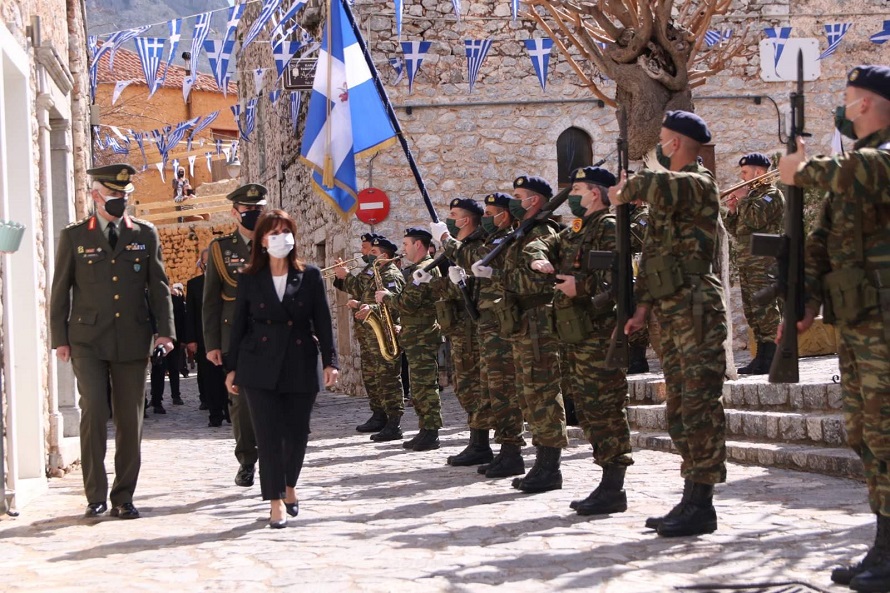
600,395
694,374
382,378
536,359
753,276
640,338
864,360
465,370
497,377
421,346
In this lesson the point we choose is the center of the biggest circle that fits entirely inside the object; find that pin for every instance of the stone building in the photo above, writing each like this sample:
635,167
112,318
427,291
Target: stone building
472,143
44,153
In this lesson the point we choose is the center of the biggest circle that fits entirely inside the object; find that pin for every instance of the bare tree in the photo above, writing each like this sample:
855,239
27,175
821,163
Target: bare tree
653,50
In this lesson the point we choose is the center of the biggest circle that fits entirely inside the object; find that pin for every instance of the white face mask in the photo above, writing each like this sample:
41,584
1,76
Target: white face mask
280,245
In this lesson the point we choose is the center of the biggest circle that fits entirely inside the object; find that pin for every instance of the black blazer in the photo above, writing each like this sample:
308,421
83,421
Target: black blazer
194,297
275,344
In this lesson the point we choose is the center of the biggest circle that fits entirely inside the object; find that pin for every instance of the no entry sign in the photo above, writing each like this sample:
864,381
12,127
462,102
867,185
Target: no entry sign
373,206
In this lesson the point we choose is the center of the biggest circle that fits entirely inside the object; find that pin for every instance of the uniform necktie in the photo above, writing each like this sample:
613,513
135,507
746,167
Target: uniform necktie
112,235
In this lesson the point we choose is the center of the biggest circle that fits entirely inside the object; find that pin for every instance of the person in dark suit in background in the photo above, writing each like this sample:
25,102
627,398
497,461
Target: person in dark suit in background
282,321
170,365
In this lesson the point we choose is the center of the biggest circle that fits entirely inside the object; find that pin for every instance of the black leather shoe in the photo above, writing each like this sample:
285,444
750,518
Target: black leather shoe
203,407
94,509
159,409
292,508
215,423
177,401
125,511
244,477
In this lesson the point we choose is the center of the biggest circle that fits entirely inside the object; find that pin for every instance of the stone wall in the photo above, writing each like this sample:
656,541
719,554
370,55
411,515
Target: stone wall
183,245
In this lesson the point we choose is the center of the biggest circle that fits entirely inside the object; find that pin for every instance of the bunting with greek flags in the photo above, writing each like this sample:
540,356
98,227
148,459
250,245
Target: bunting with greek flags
174,165
115,146
209,157
274,96
258,75
269,7
282,53
202,27
150,51
192,159
249,119
175,28
203,124
398,64
346,118
514,8
539,52
114,42
779,36
93,47
219,54
477,50
835,33
280,30
295,111
188,82
119,87
399,9
714,37
236,11
218,146
413,52
138,137
882,35
456,5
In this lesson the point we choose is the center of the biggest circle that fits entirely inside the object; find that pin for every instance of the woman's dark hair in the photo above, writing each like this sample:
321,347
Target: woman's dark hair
270,220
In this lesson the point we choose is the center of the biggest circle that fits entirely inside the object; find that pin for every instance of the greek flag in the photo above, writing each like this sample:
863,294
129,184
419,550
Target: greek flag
114,42
399,8
282,53
539,52
209,157
219,146
192,165
713,37
295,110
93,46
477,49
138,136
274,95
249,119
187,83
398,64
258,75
346,119
835,33
456,5
119,87
269,7
175,27
202,27
414,52
779,35
204,123
218,54
235,14
882,35
116,148
150,51
514,8
280,30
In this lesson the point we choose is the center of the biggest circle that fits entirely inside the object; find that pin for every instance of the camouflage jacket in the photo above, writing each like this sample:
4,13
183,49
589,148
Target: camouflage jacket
639,222
464,254
357,285
684,212
487,290
363,285
568,251
518,278
761,211
415,302
857,182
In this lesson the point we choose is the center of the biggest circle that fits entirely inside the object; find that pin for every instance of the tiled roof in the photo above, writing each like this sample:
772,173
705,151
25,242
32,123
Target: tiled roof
128,67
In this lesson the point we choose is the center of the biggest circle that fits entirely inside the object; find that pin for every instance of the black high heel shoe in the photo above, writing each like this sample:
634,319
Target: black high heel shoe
292,508
278,524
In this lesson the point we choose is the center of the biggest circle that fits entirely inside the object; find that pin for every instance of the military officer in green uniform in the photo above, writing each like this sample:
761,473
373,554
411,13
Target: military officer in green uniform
228,255
847,265
639,341
109,278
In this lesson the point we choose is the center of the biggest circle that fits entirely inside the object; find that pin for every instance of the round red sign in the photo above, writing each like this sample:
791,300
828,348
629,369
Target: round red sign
373,206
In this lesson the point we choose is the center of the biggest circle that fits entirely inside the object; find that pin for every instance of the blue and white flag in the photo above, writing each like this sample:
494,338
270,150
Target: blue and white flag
151,52
399,9
192,165
779,35
269,7
174,165
882,35
713,36
249,119
539,52
113,43
398,64
456,5
258,75
218,146
202,27
514,8
414,52
835,32
203,124
477,50
187,84
282,53
219,54
274,96
209,157
115,146
93,47
236,11
138,136
295,110
280,29
175,27
347,117
119,87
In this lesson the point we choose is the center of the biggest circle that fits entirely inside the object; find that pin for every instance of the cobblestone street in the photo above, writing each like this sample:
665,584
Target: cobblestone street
377,518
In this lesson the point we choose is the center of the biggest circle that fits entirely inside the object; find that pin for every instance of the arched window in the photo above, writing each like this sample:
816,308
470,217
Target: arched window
574,148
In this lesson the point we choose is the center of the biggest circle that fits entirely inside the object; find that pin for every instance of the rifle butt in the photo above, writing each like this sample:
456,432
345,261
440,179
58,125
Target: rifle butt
784,367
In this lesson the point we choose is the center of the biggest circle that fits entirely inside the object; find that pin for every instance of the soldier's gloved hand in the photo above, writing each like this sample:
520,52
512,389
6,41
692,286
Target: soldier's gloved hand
480,271
457,274
421,277
438,230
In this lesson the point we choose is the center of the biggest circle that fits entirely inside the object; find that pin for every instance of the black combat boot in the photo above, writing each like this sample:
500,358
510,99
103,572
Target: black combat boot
428,440
375,423
755,367
609,496
478,451
878,555
654,522
392,431
637,362
409,444
697,517
508,462
769,352
544,475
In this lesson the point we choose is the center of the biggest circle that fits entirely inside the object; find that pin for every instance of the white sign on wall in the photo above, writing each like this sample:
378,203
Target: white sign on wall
778,59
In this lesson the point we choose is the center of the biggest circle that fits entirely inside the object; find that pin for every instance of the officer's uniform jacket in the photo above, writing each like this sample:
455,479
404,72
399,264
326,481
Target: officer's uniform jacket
228,255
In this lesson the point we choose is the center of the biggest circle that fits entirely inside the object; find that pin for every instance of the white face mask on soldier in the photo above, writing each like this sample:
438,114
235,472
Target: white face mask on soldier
280,245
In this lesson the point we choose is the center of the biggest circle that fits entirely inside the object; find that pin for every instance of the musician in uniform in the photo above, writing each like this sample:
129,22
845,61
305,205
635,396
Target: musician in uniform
677,280
228,254
756,208
847,268
109,278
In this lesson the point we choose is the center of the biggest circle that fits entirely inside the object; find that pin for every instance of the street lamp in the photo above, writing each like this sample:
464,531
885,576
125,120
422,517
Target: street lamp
233,165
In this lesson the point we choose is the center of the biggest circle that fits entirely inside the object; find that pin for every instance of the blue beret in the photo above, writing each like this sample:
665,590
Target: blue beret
688,124
384,243
871,78
369,237
498,199
535,184
755,159
596,175
467,204
418,233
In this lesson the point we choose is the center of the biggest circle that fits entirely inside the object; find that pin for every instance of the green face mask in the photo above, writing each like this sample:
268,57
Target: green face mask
488,225
452,227
517,210
663,159
365,259
844,125
576,207
371,258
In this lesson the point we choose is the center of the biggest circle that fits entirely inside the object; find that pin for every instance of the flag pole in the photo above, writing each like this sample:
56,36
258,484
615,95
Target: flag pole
375,75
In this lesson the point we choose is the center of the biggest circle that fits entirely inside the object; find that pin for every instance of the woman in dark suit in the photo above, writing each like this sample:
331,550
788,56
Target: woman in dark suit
282,321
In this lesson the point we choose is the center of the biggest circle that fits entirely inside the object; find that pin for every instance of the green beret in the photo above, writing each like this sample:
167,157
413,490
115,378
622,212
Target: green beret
116,177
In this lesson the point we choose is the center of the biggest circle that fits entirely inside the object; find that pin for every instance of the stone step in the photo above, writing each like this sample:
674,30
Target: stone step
813,428
836,461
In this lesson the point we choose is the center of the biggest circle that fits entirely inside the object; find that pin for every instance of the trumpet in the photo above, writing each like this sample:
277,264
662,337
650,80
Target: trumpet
328,272
767,178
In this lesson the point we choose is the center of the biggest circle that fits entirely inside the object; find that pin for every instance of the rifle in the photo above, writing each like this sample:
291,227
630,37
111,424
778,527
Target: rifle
788,250
469,303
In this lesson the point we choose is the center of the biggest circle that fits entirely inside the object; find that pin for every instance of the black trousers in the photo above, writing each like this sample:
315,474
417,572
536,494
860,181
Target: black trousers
281,424
212,385
170,367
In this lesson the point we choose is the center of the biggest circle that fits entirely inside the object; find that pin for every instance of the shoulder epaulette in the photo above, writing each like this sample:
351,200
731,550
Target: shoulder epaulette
143,222
78,222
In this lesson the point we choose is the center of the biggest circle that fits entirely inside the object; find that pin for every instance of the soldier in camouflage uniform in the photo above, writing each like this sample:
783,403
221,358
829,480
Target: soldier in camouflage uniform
228,254
463,236
419,338
677,279
758,209
847,265
638,342
584,326
525,314
382,377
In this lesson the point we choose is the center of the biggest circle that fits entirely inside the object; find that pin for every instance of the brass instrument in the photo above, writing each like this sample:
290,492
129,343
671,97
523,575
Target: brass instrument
767,178
381,323
328,272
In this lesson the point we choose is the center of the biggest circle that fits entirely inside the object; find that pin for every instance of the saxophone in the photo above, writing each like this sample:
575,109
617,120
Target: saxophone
382,323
